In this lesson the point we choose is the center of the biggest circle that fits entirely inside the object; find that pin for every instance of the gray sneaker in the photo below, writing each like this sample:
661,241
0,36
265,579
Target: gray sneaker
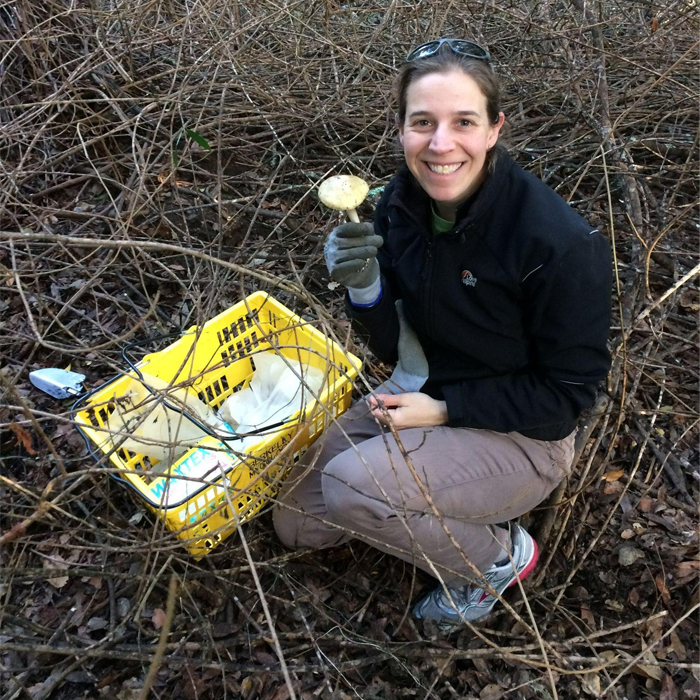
471,602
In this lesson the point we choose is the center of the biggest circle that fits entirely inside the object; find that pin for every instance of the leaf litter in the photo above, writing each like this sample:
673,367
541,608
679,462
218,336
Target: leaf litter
175,135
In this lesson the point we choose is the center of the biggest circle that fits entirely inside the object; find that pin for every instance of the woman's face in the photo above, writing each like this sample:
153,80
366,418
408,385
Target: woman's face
446,136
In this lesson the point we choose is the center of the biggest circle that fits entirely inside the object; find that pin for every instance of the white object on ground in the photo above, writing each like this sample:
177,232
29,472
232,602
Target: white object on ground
344,193
59,383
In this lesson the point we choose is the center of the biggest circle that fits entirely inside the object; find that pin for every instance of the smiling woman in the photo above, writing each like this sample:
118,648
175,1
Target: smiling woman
494,297
446,136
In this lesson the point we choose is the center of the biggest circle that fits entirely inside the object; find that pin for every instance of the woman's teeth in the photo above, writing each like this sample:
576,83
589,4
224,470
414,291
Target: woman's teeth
444,169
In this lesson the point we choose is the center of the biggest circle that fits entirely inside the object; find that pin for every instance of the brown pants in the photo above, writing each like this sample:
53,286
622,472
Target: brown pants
355,482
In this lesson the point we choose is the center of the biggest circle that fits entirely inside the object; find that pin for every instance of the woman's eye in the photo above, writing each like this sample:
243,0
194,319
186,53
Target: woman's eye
421,122
465,122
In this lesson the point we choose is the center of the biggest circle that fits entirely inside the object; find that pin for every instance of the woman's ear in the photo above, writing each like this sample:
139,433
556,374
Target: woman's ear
399,126
495,130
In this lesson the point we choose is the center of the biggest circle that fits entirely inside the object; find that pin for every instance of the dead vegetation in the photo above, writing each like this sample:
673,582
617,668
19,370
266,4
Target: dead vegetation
158,163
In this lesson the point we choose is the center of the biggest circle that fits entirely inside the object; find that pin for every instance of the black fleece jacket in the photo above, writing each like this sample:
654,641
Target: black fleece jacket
512,307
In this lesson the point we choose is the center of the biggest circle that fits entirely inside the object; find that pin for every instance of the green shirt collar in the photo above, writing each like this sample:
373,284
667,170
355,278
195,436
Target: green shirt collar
439,224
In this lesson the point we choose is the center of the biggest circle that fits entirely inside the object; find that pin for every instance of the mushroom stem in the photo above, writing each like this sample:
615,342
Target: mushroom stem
352,215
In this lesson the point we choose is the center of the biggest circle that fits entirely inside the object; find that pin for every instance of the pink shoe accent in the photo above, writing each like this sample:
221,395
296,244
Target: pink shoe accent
528,569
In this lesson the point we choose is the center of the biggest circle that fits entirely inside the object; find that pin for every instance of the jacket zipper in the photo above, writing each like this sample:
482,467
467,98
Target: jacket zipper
427,286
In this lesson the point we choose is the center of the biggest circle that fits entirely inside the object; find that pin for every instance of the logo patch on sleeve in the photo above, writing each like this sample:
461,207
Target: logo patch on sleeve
468,279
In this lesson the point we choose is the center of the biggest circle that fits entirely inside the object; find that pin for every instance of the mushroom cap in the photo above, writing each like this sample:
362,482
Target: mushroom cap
343,192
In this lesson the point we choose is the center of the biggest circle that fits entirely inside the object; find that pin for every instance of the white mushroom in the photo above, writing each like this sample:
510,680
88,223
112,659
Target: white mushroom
344,193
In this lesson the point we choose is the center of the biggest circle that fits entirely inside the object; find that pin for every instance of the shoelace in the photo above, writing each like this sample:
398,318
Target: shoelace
457,596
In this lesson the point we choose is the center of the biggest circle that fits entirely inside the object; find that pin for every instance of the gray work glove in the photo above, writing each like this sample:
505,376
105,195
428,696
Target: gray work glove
351,255
411,371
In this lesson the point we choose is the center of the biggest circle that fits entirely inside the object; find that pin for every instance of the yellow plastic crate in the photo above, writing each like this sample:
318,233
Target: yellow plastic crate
214,361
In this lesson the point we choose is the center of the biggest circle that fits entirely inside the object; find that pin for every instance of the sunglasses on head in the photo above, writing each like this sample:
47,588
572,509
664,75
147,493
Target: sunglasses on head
459,46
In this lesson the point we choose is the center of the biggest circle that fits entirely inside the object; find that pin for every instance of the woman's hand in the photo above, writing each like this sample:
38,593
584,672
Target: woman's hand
351,255
412,410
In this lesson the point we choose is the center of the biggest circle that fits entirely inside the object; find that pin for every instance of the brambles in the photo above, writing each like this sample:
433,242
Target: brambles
107,200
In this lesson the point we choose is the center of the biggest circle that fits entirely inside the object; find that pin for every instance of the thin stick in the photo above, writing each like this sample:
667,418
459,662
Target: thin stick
683,280
162,641
648,648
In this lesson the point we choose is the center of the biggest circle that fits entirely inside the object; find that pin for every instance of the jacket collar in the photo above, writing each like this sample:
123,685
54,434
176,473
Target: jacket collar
409,196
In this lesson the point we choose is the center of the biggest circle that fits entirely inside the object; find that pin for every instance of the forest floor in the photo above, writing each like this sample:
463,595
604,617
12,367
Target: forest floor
159,162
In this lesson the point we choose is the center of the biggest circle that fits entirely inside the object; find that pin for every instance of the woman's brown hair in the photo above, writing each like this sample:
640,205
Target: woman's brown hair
443,61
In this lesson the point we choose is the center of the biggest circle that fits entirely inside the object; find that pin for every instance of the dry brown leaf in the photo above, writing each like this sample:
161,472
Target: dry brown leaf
587,616
654,630
282,693
613,488
56,561
648,667
648,671
613,475
492,691
633,597
58,581
686,570
663,588
668,689
23,437
158,618
250,687
646,504
678,647
609,656
590,684
264,657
